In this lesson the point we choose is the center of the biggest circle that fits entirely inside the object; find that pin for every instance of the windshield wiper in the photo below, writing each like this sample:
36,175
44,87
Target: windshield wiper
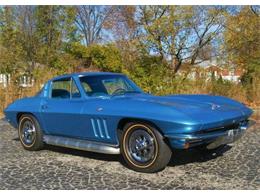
125,92
132,92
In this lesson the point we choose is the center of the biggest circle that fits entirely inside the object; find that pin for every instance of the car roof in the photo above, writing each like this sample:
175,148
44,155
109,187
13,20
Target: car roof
79,74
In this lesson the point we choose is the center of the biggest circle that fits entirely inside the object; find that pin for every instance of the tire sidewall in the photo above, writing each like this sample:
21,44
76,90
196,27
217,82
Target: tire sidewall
125,141
38,140
159,161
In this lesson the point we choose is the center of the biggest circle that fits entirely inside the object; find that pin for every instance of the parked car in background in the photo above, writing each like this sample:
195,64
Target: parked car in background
108,113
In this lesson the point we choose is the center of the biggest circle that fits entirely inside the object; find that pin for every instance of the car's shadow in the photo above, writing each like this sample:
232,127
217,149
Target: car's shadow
81,153
182,157
85,154
179,157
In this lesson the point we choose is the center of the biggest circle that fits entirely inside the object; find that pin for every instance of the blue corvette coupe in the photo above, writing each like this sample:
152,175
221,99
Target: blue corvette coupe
108,113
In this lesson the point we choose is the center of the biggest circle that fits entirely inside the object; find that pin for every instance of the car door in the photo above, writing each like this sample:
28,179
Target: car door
62,110
100,121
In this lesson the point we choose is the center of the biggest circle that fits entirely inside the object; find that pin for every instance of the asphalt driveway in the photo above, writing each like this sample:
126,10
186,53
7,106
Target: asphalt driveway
234,167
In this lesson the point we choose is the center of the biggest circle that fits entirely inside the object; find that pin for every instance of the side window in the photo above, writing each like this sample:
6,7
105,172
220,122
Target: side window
61,89
64,89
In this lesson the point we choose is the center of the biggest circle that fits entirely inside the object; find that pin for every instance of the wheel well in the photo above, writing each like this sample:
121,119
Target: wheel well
124,121
19,114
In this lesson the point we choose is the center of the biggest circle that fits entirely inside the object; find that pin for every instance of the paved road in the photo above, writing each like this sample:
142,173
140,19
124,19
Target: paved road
234,167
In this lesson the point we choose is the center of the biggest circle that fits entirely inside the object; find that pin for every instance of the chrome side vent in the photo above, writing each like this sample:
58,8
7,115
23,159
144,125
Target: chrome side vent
99,127
105,128
94,127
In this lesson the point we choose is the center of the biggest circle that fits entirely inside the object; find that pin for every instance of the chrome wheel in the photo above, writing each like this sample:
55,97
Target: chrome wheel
141,146
28,132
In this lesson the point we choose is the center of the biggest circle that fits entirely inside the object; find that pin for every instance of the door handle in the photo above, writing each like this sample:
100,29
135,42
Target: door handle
44,106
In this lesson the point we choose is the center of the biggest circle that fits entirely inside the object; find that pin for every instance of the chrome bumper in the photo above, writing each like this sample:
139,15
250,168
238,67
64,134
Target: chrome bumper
202,136
231,136
211,139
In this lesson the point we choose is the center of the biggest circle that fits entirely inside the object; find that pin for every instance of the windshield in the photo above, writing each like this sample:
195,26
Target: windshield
103,85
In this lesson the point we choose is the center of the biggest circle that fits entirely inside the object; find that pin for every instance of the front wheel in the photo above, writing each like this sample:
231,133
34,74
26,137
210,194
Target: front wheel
143,148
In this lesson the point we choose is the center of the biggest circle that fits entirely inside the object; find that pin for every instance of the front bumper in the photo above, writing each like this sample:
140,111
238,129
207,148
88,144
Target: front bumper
212,139
230,137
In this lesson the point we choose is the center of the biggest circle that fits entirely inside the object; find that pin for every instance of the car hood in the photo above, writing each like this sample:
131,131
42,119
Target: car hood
190,102
206,109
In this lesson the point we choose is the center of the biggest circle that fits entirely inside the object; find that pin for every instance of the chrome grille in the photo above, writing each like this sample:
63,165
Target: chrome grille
217,129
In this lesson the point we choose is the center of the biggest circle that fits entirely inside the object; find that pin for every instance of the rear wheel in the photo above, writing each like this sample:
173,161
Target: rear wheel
30,133
143,148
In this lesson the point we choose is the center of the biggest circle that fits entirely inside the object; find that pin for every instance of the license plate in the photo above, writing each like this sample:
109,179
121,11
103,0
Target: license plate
231,136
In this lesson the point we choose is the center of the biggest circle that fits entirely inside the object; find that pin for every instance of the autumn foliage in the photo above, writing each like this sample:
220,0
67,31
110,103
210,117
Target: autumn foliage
156,46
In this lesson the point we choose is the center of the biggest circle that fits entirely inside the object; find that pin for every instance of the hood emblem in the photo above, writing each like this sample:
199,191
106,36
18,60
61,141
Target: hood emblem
99,109
214,106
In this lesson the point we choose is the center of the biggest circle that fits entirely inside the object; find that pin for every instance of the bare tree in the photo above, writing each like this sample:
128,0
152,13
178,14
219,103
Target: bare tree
206,25
91,20
178,34
122,23
255,9
27,28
